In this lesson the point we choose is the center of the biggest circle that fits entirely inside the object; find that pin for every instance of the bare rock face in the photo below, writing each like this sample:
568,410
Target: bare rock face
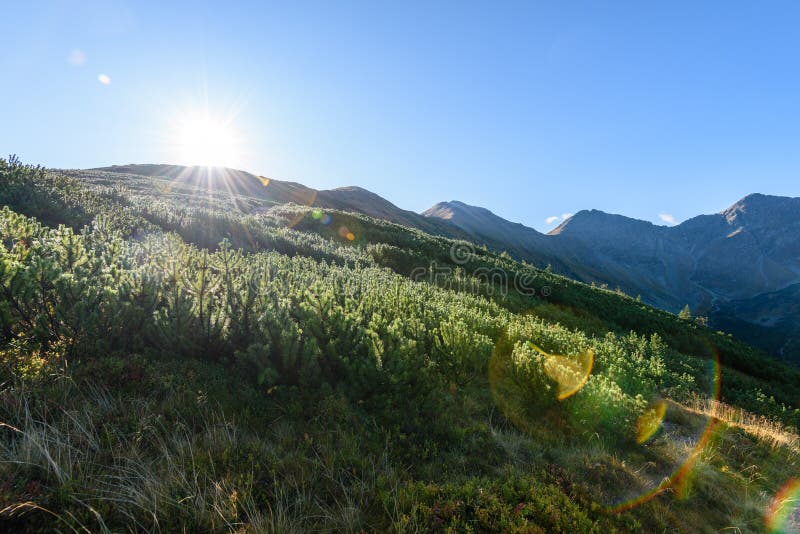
482,223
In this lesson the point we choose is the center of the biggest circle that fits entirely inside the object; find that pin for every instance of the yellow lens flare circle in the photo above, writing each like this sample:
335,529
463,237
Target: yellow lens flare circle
517,392
519,400
570,373
686,438
650,421
345,233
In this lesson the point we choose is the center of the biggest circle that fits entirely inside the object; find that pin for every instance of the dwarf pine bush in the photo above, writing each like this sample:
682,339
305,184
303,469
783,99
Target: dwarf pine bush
185,302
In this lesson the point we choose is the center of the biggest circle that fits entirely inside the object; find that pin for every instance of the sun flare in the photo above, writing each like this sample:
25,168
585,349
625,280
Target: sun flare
206,141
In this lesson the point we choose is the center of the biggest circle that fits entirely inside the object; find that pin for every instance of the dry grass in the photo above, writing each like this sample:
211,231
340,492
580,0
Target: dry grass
143,475
764,428
156,472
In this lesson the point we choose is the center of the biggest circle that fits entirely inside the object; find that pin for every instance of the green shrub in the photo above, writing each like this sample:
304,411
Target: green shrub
601,407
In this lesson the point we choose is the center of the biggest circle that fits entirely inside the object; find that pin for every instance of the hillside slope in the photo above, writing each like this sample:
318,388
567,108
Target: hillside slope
175,362
706,262
272,191
749,250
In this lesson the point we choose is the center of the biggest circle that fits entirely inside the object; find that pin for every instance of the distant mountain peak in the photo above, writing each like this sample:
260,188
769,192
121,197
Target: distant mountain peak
455,208
588,222
353,189
761,209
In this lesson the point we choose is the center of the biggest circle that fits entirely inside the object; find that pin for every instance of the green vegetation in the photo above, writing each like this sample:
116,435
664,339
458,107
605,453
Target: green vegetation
176,360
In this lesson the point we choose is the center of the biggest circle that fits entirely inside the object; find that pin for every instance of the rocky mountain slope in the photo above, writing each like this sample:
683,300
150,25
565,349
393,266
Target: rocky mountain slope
738,267
484,227
751,248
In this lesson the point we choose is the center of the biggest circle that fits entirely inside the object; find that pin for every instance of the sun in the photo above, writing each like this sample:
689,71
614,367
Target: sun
203,140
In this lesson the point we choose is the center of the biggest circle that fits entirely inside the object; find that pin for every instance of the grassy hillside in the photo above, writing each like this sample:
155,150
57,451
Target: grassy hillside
245,187
179,360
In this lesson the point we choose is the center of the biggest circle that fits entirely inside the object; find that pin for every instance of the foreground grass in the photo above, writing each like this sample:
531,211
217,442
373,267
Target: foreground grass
76,455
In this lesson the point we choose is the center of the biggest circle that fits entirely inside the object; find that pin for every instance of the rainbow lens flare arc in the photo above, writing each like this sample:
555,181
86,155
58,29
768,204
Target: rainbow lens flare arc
678,481
533,387
784,509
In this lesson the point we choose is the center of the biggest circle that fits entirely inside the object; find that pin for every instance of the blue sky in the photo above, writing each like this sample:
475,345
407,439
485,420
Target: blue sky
531,109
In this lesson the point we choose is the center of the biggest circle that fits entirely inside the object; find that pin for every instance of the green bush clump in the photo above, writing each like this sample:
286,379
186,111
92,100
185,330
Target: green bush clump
521,388
601,407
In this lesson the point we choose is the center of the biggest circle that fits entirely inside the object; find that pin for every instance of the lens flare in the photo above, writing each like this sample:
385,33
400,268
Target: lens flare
650,421
529,385
515,379
784,509
678,481
510,387
346,233
301,196
77,57
325,219
570,374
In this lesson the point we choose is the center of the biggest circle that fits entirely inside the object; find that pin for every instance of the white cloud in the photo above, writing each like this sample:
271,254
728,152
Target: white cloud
76,57
105,79
667,218
555,218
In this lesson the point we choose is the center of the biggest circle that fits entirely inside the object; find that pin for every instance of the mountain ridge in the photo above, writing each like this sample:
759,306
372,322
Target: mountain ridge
349,198
749,249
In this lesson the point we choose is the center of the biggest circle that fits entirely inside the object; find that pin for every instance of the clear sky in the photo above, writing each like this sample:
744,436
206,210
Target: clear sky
531,109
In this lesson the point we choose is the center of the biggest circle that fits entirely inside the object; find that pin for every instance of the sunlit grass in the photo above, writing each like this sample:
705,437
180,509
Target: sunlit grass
765,428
